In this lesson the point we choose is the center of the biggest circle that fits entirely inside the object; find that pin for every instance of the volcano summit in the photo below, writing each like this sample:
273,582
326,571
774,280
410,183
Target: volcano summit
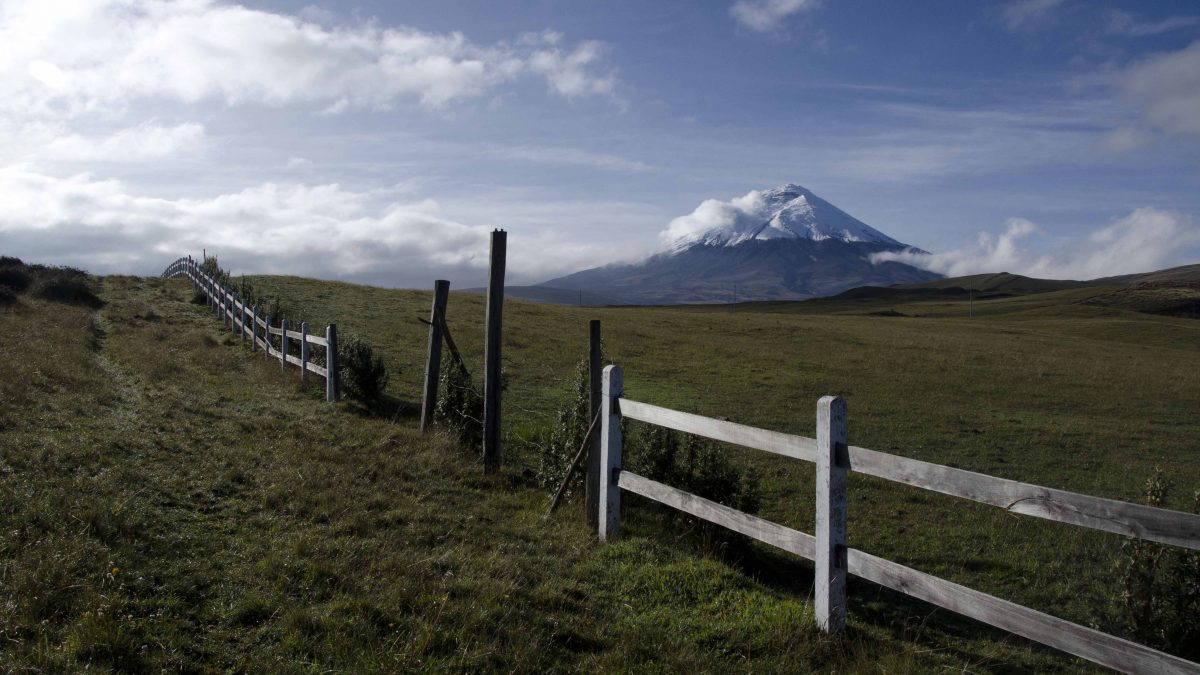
785,243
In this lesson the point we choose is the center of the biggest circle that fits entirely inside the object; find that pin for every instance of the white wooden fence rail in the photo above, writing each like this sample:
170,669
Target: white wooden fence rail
245,322
1144,522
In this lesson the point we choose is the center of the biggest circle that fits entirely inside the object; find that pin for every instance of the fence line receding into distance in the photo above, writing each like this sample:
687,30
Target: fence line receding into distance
245,322
834,458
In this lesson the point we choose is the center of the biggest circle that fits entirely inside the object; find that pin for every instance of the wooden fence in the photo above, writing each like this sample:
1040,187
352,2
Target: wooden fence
245,322
834,458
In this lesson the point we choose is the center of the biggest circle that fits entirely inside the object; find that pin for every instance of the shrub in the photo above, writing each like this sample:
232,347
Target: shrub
66,285
690,463
460,404
7,261
364,375
1159,603
555,450
8,297
15,278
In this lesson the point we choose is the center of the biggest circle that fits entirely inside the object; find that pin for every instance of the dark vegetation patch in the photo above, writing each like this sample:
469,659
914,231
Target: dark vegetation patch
66,285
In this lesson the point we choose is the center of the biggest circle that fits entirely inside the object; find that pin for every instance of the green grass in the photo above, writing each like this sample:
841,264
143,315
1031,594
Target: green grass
169,500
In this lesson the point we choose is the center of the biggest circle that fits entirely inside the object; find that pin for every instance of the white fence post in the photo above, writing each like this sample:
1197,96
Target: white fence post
332,385
832,466
254,330
304,351
241,314
283,340
610,452
233,303
267,337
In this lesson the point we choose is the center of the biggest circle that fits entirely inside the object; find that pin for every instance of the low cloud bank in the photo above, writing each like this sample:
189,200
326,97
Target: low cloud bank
324,231
1145,240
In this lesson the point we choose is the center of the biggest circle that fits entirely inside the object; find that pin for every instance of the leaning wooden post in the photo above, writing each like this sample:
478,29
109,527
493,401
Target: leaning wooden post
433,361
267,338
283,340
254,330
832,466
591,483
491,373
304,351
610,452
332,377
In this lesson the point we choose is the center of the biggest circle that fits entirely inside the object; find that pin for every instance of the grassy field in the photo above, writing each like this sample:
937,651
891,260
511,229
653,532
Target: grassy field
169,500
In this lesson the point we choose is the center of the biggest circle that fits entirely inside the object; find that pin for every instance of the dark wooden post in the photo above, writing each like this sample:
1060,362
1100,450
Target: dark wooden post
433,361
332,377
491,373
283,344
591,503
610,453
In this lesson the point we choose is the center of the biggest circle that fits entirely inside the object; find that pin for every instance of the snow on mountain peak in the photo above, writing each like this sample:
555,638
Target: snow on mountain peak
786,212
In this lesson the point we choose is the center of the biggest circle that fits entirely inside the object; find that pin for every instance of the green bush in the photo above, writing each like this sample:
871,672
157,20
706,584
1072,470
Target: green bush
1159,603
66,285
690,463
553,451
15,278
364,375
460,404
8,296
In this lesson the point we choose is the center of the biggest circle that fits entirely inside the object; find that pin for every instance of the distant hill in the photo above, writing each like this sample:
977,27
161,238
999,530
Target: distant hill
784,243
554,296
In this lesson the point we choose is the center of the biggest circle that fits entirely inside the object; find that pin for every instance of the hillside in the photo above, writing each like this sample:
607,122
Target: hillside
174,502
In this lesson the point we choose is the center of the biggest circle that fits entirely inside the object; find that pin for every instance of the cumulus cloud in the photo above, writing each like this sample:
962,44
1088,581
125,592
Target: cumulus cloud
1125,24
1145,240
765,16
315,230
139,143
714,214
74,57
1028,15
1167,89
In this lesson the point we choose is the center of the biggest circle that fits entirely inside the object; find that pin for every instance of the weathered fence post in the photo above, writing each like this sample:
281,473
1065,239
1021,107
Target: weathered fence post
269,340
610,453
283,340
332,377
591,483
304,351
491,373
242,320
233,303
433,361
254,330
832,466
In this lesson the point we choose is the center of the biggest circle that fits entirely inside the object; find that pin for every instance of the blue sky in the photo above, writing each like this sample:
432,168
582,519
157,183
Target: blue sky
381,142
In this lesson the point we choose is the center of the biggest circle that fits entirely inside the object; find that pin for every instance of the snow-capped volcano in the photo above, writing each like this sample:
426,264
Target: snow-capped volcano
784,243
786,212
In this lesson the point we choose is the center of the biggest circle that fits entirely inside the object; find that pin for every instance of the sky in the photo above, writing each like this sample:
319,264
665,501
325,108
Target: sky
381,142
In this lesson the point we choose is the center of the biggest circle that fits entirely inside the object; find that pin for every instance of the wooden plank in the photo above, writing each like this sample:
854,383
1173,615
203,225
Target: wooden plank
433,352
283,343
788,445
779,536
262,323
1101,648
491,353
609,517
295,335
316,369
591,481
830,571
274,331
263,344
1109,515
292,359
317,340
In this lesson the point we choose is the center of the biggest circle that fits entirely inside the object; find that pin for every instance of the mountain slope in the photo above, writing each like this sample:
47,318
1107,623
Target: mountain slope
785,243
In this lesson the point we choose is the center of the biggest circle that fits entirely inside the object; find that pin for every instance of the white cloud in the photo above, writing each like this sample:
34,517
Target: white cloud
1121,23
1145,240
766,15
74,57
315,230
134,144
1028,15
1167,89
714,214
568,156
